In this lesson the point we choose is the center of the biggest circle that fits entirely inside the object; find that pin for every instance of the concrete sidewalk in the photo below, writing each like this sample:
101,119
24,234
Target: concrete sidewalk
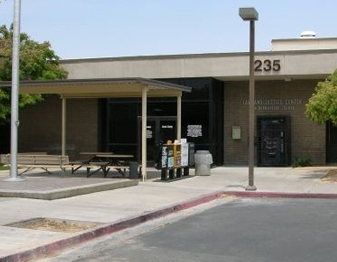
114,210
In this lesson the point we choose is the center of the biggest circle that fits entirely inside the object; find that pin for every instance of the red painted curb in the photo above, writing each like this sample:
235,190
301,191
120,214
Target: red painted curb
52,248
280,195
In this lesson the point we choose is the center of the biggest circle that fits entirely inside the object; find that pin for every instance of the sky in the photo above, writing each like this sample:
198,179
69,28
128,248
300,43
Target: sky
117,28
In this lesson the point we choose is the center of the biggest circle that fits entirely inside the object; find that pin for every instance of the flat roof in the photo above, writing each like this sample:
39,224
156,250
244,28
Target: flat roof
192,55
101,88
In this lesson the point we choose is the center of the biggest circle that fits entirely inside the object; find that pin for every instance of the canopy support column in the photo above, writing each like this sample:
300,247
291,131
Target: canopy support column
144,125
179,117
64,121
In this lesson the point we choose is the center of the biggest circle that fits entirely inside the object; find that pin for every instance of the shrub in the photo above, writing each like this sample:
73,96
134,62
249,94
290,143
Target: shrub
301,161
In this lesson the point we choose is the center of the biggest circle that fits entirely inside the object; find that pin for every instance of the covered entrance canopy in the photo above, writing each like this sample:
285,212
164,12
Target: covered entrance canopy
108,88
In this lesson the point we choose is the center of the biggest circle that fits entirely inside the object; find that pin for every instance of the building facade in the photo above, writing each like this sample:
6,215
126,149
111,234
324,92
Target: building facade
214,114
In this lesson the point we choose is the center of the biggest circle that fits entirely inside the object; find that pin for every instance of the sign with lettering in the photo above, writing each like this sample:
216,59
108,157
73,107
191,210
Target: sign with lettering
194,130
167,127
267,65
149,133
276,104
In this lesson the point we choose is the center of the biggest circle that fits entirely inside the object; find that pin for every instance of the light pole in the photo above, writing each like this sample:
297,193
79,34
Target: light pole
251,15
15,94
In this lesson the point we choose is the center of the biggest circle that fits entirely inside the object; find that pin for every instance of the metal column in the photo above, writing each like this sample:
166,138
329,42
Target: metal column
15,94
251,186
179,117
144,137
64,126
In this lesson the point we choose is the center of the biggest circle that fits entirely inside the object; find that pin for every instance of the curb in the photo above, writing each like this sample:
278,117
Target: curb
52,248
279,195
70,191
58,246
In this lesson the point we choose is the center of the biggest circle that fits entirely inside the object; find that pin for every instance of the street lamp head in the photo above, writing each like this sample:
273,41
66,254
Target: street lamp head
248,14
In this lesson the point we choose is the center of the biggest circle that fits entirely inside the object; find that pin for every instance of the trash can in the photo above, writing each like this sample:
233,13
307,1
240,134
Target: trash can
133,170
203,160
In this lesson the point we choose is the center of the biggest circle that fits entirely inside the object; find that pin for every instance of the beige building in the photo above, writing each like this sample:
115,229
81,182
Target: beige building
215,114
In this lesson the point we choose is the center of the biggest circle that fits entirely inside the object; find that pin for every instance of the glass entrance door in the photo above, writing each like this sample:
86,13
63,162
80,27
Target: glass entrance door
273,141
158,131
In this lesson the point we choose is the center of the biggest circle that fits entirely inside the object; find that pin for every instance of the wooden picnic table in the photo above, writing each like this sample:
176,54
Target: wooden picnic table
113,156
103,161
96,153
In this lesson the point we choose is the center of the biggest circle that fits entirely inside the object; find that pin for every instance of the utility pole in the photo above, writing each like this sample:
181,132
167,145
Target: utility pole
15,94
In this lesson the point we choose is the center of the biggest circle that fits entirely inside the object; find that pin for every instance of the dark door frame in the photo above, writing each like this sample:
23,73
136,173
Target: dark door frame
331,130
157,120
287,138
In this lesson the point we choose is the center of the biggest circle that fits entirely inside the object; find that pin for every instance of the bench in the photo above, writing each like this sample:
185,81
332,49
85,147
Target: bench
40,160
33,153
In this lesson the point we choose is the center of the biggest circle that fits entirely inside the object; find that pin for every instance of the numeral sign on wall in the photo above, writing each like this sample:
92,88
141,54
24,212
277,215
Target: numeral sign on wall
267,65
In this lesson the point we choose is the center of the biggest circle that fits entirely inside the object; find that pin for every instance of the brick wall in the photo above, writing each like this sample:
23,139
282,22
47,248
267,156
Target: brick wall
40,126
273,98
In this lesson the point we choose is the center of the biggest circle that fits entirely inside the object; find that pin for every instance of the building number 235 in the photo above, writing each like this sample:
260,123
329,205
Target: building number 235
267,65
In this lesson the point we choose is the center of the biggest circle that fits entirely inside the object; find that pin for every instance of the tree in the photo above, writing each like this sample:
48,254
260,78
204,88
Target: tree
37,62
322,105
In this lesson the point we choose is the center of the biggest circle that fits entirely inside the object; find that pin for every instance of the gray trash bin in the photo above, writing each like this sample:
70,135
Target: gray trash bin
203,160
133,170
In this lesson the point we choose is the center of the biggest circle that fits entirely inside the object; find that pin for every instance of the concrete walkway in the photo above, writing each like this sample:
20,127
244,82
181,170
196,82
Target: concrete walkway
114,210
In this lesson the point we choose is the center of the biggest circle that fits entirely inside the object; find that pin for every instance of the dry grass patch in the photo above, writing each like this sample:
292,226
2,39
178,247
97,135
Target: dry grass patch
54,225
331,176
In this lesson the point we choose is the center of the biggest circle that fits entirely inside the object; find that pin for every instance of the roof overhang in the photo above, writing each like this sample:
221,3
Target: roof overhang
101,88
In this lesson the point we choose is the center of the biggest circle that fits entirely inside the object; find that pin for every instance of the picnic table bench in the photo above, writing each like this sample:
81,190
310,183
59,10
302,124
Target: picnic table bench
104,161
41,160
